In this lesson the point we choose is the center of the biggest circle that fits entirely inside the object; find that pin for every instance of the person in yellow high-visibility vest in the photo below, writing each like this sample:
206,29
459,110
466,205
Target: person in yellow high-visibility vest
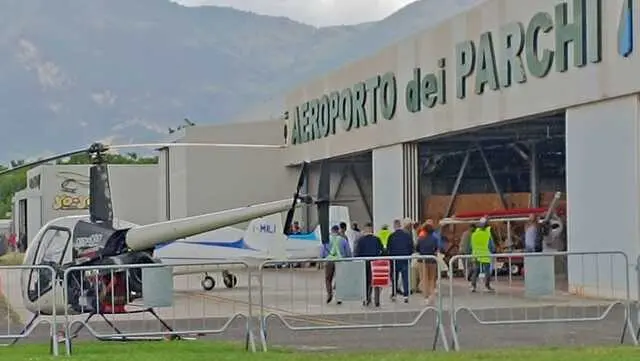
384,234
482,246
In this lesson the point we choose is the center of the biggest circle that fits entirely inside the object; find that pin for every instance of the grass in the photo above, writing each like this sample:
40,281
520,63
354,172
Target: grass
11,259
197,351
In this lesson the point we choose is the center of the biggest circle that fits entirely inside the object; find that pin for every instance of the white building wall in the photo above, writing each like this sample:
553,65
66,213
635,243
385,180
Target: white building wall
209,179
387,166
134,190
603,182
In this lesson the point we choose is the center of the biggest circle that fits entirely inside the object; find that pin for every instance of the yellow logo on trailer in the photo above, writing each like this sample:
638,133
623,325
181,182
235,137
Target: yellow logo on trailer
67,202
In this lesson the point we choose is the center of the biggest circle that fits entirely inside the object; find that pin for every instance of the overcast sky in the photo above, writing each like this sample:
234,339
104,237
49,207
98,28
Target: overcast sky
314,12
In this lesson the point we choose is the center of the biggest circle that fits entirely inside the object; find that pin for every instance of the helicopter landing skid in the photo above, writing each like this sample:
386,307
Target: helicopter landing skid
123,338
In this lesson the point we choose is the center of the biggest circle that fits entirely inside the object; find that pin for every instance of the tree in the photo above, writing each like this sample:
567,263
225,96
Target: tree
16,181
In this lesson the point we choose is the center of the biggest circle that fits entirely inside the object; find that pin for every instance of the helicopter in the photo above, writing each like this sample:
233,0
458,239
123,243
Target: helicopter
99,239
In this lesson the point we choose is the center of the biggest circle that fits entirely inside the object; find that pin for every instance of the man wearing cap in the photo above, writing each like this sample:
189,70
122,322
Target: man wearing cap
482,246
337,248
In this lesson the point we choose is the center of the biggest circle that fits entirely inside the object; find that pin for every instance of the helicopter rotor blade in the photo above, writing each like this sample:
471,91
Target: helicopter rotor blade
212,145
44,161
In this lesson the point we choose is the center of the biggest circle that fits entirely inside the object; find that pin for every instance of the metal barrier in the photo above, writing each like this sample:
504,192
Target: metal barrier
300,299
525,291
125,294
40,298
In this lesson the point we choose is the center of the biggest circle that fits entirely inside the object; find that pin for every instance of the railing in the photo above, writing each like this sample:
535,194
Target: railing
526,296
300,300
98,291
41,294
596,287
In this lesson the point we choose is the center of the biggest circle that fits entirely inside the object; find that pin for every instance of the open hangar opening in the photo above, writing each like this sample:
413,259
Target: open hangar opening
351,186
515,164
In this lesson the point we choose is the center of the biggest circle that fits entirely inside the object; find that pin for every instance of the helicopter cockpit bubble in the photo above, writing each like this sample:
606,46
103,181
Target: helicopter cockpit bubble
51,249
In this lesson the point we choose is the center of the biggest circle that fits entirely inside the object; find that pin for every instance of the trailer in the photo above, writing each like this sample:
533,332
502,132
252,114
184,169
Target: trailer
549,217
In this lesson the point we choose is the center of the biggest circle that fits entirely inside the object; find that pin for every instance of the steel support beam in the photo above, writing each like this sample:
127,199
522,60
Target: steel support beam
363,195
520,152
343,177
307,209
496,188
534,199
456,185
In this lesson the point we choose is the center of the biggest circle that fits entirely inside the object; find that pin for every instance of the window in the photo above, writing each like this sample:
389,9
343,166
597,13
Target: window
52,247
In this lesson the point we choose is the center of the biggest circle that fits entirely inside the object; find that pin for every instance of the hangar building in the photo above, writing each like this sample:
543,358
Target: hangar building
55,191
512,96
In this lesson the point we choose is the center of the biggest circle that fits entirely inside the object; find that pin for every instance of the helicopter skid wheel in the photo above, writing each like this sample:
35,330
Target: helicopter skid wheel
208,283
230,280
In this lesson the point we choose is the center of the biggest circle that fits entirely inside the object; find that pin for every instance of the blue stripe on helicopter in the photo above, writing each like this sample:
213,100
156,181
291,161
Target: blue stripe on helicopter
304,237
240,244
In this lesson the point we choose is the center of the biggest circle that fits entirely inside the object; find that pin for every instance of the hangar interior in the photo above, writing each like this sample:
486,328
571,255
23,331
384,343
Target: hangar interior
516,164
351,186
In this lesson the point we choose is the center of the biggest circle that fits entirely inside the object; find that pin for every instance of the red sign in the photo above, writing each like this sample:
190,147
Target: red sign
380,271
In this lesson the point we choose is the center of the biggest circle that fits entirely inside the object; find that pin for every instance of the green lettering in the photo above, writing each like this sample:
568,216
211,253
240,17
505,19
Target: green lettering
360,97
304,123
324,116
486,70
594,31
465,60
429,87
574,34
412,92
334,110
346,109
388,95
295,129
511,67
314,128
372,87
538,66
442,84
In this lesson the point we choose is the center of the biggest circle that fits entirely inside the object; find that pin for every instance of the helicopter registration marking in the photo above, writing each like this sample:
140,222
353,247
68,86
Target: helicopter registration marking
70,202
91,241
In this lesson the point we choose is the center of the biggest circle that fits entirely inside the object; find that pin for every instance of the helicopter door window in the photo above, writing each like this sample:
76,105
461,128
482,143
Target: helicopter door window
52,247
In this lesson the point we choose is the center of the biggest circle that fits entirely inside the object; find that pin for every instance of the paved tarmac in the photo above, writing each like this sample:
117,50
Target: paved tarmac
294,299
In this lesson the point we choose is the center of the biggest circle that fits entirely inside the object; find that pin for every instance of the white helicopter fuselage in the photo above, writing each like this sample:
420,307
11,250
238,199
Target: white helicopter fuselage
42,293
262,240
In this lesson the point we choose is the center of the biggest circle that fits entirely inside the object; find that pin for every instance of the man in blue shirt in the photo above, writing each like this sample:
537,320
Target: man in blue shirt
337,248
436,233
400,245
369,245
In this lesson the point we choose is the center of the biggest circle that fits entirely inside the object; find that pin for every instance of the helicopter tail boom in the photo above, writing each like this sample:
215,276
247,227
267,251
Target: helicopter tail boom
148,236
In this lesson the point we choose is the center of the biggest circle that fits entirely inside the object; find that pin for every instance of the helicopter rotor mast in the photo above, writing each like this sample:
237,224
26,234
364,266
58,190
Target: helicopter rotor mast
145,237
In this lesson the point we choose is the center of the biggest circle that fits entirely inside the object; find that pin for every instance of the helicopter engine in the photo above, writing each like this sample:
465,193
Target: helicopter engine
107,290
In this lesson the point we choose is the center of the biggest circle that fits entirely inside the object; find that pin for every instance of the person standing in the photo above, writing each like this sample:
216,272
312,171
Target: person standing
531,234
355,235
369,245
465,249
384,234
337,248
400,245
428,246
482,246
415,265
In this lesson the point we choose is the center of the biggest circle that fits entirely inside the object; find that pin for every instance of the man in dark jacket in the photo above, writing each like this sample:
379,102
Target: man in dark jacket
400,245
369,245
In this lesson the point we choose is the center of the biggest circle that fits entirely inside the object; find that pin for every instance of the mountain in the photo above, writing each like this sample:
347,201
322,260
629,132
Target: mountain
76,71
